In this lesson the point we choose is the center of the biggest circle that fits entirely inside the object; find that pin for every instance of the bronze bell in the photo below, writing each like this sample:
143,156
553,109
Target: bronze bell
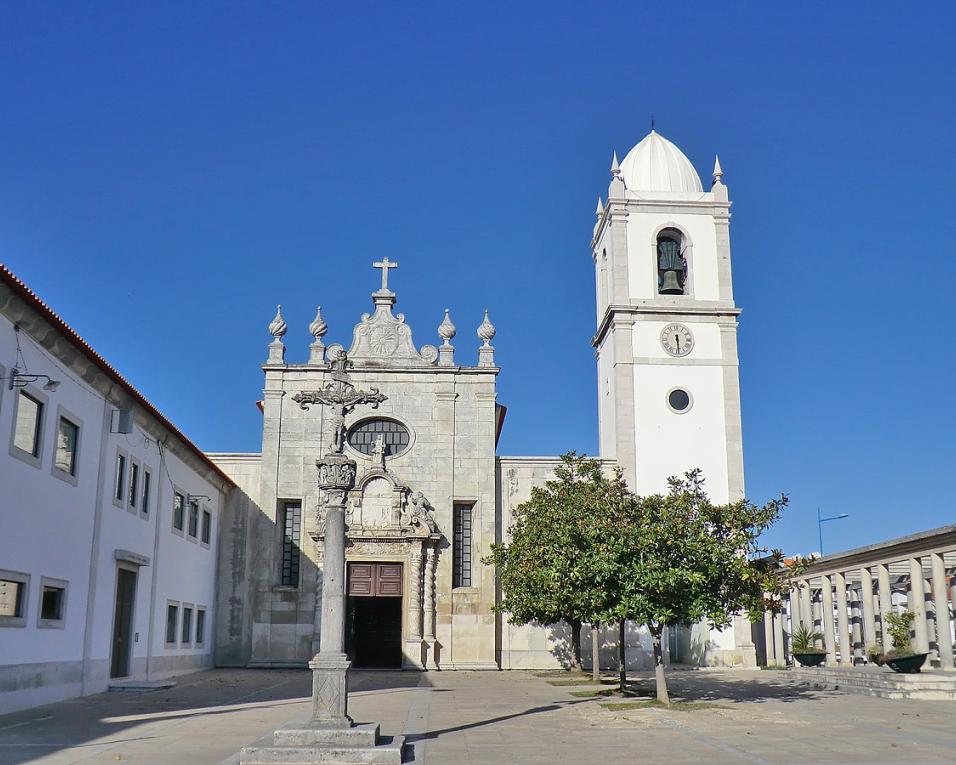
670,284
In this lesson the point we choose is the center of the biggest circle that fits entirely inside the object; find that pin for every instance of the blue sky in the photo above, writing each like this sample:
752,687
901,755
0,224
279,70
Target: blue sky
168,173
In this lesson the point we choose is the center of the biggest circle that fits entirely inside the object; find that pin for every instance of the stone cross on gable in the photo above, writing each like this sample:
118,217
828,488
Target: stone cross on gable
385,264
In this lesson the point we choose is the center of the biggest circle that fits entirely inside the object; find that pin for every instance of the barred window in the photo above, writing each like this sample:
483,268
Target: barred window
291,535
362,436
461,547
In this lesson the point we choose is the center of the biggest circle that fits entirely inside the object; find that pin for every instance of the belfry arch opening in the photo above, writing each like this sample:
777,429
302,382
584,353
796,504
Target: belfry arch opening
671,263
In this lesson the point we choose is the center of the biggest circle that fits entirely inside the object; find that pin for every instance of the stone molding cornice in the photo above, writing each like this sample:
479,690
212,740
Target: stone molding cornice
618,314
357,372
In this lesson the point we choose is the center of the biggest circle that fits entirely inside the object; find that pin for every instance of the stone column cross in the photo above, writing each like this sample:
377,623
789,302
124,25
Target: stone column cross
385,264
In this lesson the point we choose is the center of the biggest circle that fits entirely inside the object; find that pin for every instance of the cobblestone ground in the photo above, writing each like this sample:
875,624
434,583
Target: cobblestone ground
465,718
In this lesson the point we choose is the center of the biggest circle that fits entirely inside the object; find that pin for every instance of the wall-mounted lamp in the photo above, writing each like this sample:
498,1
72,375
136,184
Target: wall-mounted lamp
20,379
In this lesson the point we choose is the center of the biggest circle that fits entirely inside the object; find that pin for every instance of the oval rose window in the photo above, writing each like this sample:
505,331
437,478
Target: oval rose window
363,435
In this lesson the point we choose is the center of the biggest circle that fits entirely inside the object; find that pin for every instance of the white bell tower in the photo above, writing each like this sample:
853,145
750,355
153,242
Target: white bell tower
666,340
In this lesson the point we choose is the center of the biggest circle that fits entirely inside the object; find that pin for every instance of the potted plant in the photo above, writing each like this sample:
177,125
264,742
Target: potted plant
902,658
804,647
875,654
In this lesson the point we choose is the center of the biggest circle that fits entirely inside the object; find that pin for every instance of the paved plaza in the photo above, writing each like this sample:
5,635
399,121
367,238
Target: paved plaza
491,717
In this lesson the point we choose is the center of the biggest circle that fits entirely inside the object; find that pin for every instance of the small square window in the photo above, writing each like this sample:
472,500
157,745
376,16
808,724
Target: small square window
179,503
187,625
52,603
67,437
133,484
200,626
193,518
206,526
26,435
12,598
172,617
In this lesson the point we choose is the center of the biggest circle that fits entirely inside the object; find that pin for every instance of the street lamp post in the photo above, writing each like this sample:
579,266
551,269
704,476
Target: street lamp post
821,521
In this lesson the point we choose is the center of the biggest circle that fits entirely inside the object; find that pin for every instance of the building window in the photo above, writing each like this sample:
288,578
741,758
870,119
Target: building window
119,488
52,603
67,438
671,264
363,435
193,518
200,626
133,484
187,625
26,433
14,594
172,617
461,547
147,477
679,400
206,526
179,504
291,531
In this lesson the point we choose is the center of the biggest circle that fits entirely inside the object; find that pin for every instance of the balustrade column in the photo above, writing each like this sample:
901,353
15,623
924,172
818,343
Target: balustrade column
806,605
768,638
869,620
941,598
796,617
917,604
886,604
778,650
843,628
826,608
856,625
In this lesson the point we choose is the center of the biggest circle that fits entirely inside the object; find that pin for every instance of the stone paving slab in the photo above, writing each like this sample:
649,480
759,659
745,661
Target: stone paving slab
493,718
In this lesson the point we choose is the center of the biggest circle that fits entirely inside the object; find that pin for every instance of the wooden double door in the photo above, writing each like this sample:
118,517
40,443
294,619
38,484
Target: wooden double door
373,623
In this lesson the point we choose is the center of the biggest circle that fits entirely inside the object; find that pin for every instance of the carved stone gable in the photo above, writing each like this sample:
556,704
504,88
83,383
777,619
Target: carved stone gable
384,339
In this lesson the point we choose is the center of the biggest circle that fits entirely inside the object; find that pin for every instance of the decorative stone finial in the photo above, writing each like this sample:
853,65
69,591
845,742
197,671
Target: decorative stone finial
446,351
317,328
615,167
486,330
446,330
600,208
718,171
277,328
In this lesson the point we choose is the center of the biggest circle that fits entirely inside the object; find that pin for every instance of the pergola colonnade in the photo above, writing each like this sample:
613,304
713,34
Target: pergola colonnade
846,597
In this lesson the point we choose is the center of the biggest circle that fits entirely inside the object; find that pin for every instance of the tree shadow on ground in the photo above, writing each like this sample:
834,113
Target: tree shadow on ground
684,685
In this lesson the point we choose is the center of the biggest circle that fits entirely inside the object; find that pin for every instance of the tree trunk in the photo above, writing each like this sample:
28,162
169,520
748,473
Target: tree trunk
659,677
575,644
622,659
595,654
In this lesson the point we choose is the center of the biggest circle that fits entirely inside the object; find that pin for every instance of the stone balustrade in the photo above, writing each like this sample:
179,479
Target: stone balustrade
847,596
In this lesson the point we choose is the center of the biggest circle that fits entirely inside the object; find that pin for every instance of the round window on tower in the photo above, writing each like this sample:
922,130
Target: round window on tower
679,400
363,435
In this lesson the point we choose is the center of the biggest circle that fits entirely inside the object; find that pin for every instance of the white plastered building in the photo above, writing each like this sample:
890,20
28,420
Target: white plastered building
109,516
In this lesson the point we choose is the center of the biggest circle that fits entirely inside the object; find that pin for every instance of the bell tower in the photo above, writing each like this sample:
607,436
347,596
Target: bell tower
666,339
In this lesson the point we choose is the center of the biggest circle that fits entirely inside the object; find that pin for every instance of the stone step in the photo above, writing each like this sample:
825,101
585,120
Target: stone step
388,752
304,735
884,684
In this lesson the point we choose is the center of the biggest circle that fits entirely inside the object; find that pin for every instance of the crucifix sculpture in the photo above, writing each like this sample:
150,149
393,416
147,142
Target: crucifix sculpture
385,264
336,475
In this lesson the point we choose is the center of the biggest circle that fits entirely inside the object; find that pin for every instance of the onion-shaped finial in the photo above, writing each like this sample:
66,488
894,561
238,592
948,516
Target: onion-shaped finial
446,330
318,327
278,327
486,330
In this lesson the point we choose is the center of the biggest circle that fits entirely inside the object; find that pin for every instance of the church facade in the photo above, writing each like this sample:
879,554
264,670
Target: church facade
421,422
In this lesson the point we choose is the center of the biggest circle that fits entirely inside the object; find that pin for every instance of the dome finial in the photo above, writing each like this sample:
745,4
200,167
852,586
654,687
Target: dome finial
652,123
615,166
718,170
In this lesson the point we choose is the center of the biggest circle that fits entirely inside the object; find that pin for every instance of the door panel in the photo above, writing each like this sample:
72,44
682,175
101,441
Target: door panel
123,622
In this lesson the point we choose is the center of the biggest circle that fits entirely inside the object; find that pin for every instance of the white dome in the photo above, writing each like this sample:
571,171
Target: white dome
656,164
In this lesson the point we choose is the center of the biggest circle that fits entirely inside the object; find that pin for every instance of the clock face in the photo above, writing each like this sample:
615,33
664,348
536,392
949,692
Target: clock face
677,340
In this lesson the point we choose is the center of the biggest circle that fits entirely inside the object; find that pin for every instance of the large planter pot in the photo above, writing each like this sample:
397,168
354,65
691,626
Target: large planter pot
810,659
907,664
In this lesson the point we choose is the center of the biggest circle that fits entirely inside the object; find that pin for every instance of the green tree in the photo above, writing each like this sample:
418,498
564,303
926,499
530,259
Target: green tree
682,559
559,564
